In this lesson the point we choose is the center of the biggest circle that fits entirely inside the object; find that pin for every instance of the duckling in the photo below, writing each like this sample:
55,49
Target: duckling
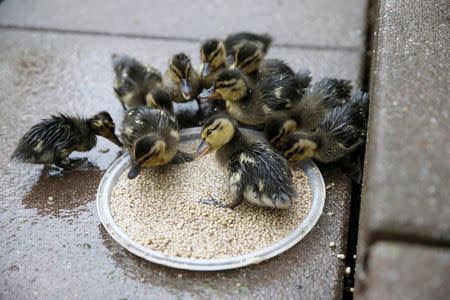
52,140
181,80
251,103
341,132
151,137
249,58
235,40
305,115
133,80
159,98
212,59
256,172
216,54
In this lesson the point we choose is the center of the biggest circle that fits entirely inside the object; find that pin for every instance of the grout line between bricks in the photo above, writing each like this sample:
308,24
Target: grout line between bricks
167,38
386,236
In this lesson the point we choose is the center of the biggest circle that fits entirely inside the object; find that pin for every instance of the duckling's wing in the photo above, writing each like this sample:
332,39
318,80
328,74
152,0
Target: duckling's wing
331,91
341,126
278,92
304,79
262,169
48,136
152,78
275,67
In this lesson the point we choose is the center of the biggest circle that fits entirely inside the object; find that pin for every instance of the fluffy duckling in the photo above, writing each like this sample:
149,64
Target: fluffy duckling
212,59
256,172
133,80
181,80
151,137
214,52
52,140
249,58
235,40
159,98
251,103
341,132
323,96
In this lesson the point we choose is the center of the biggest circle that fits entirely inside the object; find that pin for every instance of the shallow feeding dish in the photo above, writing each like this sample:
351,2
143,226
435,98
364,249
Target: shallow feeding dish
122,165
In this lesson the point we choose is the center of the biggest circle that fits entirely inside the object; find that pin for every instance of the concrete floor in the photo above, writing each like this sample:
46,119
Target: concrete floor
55,57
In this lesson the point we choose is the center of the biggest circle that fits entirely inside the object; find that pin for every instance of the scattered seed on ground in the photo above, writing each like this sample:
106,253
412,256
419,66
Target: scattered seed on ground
332,244
160,209
340,256
348,270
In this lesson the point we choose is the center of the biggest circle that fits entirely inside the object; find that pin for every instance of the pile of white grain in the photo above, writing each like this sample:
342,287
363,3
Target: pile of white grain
160,210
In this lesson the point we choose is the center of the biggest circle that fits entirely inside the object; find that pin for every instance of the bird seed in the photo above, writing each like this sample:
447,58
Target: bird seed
160,209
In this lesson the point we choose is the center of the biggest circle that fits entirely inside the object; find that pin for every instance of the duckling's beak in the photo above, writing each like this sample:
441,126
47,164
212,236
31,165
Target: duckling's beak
209,94
203,149
134,171
186,89
206,70
113,138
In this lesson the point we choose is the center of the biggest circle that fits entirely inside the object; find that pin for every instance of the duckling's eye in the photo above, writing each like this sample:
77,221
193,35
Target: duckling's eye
209,131
301,151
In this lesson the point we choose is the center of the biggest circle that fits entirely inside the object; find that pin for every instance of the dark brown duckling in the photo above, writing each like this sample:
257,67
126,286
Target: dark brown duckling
133,80
151,136
159,98
251,103
340,133
181,80
308,113
256,172
235,40
249,58
216,55
52,140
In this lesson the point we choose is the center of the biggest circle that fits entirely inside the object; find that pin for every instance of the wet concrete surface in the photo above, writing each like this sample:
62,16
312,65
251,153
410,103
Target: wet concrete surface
57,248
329,23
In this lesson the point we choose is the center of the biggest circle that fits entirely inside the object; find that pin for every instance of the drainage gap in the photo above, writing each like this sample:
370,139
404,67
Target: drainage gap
352,238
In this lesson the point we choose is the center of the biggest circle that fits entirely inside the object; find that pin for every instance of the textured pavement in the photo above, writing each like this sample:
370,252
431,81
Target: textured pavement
55,57
407,180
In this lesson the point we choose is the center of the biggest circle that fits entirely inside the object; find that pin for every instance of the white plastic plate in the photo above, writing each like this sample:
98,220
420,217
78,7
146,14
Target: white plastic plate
122,164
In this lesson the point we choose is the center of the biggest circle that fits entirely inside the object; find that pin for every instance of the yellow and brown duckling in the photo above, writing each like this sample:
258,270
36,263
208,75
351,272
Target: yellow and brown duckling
256,172
160,99
52,140
249,58
181,80
151,136
216,55
212,59
235,40
341,132
307,114
133,80
251,103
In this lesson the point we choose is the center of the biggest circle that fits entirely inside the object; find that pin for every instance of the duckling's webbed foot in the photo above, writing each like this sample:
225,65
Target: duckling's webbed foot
181,158
70,163
236,202
211,201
